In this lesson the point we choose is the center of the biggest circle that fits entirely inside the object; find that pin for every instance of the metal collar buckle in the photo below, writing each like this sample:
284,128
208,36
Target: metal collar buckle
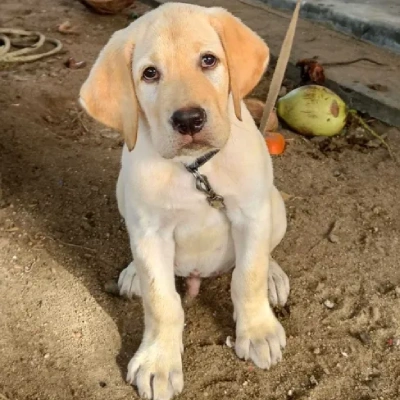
202,184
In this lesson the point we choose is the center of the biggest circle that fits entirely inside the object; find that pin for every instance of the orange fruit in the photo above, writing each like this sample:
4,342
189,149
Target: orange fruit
275,142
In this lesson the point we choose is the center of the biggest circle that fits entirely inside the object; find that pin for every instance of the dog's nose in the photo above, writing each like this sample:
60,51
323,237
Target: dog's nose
189,121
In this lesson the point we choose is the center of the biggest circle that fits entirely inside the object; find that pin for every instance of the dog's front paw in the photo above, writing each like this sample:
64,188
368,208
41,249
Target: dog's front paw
128,282
156,370
261,339
278,284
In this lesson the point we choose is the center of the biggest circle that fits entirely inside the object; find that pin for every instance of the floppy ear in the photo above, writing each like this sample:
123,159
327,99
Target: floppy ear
108,94
246,53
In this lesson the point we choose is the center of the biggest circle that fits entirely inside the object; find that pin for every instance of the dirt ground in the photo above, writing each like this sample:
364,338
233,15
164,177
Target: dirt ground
61,239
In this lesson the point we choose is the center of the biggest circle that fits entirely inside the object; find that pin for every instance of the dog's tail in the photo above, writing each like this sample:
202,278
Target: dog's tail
255,107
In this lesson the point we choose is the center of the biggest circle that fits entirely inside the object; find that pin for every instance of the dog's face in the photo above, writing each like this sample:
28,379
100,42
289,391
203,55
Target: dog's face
182,85
173,70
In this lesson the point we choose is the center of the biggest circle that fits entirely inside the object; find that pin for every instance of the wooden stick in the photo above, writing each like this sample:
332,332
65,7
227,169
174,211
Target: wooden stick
280,68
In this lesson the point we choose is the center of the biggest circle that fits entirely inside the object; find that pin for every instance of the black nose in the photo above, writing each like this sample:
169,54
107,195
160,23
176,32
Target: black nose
188,121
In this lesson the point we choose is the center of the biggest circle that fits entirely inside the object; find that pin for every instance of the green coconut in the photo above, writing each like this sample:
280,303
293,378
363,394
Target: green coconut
313,110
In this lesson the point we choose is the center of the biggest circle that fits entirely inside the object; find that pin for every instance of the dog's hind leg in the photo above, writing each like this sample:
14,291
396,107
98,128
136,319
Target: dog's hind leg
279,220
121,195
128,282
278,284
278,281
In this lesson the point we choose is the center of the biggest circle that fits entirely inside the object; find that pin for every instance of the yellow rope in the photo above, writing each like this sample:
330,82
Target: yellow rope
11,37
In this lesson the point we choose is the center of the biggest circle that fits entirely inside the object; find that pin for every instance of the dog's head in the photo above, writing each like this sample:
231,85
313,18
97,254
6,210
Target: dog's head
173,69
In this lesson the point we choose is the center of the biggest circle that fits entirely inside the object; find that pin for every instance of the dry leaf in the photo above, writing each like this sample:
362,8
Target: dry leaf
71,63
286,196
67,29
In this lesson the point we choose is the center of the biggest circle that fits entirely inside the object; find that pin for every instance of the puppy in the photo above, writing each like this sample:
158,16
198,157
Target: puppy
196,184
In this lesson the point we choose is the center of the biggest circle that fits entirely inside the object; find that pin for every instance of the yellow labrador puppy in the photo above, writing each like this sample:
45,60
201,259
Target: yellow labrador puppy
196,185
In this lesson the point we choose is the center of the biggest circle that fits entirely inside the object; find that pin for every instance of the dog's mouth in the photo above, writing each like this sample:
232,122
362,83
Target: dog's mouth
195,149
193,141
194,144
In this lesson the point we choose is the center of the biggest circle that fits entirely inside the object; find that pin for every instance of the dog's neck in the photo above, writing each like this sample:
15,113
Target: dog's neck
200,161
202,183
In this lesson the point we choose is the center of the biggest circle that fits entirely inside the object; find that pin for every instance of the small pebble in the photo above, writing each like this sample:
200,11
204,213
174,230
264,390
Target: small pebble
375,314
313,380
333,238
133,16
229,342
46,356
386,287
102,384
329,304
48,119
111,287
283,91
326,371
364,337
317,351
71,63
373,144
78,334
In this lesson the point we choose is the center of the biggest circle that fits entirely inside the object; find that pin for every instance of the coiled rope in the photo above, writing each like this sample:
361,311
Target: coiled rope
30,43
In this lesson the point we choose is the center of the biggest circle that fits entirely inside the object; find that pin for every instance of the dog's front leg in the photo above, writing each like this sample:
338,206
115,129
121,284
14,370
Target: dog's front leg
259,335
156,368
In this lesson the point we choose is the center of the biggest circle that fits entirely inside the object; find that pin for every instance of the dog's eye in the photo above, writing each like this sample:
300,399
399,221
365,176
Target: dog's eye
150,74
208,61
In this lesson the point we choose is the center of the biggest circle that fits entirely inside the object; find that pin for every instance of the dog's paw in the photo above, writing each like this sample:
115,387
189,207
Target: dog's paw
156,371
128,282
261,340
278,284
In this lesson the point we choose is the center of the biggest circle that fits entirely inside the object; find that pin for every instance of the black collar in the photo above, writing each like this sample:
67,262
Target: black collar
199,162
202,183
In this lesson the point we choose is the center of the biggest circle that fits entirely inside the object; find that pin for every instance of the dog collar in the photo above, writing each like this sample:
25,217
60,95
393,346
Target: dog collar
202,184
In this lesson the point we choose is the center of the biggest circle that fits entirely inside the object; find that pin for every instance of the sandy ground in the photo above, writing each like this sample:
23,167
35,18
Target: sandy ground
61,239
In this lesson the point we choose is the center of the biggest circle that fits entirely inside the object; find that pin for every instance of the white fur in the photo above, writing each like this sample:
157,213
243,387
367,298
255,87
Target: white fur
172,228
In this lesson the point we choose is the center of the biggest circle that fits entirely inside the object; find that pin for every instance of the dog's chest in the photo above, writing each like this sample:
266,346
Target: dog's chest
202,234
203,242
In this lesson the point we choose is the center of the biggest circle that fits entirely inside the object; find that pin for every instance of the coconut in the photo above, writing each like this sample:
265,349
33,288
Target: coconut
313,110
